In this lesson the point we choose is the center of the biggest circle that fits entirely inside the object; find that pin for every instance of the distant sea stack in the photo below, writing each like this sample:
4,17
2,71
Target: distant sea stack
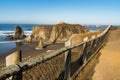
61,22
98,26
59,32
19,34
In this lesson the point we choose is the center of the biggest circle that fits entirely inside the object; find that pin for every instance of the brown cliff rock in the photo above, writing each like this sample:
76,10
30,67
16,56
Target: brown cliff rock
61,32
40,45
39,32
55,33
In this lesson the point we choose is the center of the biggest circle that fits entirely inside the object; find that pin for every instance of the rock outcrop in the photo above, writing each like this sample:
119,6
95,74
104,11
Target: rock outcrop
61,32
40,45
38,33
55,33
19,34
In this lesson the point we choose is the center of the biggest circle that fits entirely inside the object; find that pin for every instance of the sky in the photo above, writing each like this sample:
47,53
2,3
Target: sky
54,11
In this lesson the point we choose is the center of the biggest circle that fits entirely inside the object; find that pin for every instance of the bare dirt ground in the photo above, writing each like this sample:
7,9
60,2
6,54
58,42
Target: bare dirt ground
106,64
88,71
108,67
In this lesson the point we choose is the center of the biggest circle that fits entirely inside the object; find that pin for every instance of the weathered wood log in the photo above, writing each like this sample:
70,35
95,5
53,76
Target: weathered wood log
67,65
85,50
12,59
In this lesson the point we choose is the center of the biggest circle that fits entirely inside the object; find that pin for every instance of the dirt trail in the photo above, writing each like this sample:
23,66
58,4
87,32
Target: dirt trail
108,67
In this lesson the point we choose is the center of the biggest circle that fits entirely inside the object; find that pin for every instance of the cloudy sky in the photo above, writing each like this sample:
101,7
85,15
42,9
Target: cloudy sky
53,11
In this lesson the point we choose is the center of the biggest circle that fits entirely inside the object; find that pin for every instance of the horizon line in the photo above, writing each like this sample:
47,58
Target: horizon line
52,23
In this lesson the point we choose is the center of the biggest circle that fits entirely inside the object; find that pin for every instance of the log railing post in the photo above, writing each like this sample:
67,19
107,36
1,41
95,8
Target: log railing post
85,50
84,59
92,45
67,61
67,65
12,59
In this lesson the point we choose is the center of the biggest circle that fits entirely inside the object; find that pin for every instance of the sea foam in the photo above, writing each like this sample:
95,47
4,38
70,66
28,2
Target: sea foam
3,42
5,33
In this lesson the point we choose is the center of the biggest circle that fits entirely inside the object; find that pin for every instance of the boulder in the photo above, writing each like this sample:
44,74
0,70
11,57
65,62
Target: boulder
10,37
40,45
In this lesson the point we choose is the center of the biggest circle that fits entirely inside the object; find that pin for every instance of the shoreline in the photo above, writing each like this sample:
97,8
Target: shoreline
28,50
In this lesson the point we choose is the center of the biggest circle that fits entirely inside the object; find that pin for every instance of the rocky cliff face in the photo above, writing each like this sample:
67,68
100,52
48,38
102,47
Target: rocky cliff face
55,33
38,33
61,32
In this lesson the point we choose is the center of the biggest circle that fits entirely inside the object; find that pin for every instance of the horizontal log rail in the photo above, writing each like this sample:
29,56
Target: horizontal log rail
25,66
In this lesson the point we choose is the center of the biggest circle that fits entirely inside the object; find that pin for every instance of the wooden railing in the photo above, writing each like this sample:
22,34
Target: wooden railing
63,64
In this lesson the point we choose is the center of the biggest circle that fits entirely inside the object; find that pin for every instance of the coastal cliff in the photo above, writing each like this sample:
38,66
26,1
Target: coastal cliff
61,32
39,32
55,33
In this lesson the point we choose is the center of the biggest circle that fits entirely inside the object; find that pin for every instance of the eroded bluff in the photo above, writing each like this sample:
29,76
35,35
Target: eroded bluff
55,33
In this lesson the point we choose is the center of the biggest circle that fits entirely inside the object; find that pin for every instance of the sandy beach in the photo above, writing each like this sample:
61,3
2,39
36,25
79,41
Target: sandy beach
108,67
28,50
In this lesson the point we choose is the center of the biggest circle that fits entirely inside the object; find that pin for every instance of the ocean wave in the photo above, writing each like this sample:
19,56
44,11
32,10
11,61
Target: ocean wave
5,33
3,42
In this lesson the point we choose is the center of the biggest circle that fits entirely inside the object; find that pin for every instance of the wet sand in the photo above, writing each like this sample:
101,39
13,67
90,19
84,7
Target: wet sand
108,67
28,50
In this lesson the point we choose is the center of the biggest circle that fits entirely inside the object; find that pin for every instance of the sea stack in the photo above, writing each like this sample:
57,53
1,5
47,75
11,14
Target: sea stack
19,34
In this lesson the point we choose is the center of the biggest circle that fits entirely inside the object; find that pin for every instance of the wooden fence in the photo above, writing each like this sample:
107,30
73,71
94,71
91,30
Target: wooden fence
63,64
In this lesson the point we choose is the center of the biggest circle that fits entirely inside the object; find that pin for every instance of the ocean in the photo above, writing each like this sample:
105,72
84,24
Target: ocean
8,29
